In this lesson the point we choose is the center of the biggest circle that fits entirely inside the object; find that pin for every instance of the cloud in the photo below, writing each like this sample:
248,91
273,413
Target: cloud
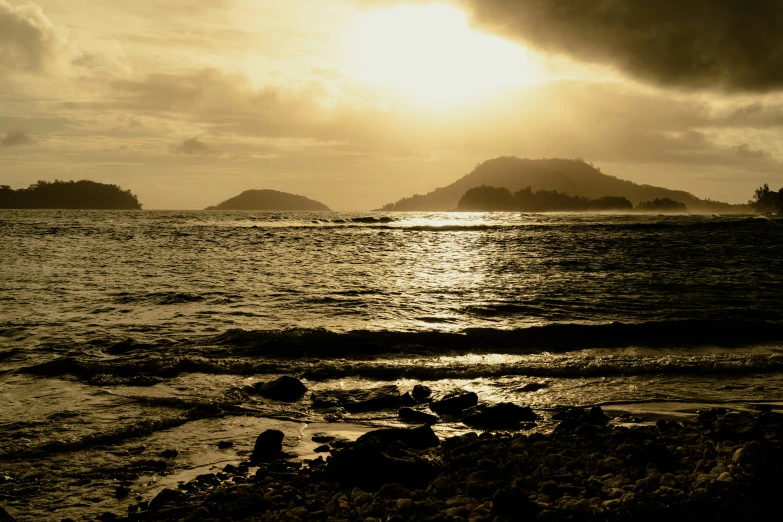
192,147
725,44
744,151
28,39
15,138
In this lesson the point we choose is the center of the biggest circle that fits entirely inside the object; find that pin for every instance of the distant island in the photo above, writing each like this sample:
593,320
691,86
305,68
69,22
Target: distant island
564,176
269,200
57,194
491,199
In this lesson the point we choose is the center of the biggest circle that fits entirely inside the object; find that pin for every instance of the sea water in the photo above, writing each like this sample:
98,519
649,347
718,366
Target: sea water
123,334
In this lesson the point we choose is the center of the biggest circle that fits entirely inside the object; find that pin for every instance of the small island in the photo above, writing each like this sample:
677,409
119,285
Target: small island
269,200
84,195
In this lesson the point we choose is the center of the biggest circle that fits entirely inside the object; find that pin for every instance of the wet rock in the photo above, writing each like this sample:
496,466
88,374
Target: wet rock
499,416
372,462
359,400
107,516
269,446
573,418
322,449
407,400
455,403
169,453
417,416
166,496
415,438
224,444
285,388
5,516
421,393
122,492
321,439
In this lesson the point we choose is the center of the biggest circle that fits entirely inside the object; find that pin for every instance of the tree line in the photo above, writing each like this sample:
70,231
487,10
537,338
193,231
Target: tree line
766,201
82,194
487,199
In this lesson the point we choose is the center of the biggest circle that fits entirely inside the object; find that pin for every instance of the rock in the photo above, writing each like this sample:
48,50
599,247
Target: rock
498,416
371,462
417,416
394,491
107,516
5,517
285,388
359,400
297,513
407,400
421,393
443,486
414,438
573,418
122,492
224,444
201,513
321,439
653,454
323,448
269,446
169,453
513,502
455,403
166,496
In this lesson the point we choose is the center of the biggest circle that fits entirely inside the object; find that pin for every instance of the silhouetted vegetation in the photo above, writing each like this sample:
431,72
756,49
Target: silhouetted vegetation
564,176
486,199
57,194
662,205
269,200
765,200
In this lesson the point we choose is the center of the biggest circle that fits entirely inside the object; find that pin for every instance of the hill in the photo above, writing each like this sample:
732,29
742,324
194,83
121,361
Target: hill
269,200
82,194
573,177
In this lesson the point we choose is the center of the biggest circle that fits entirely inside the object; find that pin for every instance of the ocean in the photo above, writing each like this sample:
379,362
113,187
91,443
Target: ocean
126,334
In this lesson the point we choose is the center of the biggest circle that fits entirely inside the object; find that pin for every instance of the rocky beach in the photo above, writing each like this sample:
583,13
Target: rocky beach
719,465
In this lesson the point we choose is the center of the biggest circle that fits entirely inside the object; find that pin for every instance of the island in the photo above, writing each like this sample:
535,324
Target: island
84,194
582,182
269,200
487,199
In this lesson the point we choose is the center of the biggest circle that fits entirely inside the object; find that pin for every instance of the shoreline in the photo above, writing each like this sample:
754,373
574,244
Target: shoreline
720,464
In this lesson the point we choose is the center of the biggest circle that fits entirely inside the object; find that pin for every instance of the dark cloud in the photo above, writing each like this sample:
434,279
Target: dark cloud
733,45
16,137
192,147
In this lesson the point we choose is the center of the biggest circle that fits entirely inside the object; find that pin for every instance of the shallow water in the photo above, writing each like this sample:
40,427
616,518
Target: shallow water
121,331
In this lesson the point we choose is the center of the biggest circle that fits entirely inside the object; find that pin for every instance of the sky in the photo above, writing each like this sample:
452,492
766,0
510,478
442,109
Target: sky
357,103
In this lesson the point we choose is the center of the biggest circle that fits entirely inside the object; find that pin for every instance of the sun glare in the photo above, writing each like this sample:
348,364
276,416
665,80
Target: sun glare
430,52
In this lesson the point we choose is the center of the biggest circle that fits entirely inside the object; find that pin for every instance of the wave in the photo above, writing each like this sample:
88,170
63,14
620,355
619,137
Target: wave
551,368
321,354
560,337
676,222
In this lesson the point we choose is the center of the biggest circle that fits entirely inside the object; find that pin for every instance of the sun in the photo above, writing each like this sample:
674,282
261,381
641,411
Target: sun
431,53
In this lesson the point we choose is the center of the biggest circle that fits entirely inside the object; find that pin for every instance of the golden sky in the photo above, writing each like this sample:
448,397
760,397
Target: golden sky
357,103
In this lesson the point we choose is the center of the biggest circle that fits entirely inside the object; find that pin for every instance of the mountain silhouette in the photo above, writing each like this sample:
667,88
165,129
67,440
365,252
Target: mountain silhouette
573,177
269,200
